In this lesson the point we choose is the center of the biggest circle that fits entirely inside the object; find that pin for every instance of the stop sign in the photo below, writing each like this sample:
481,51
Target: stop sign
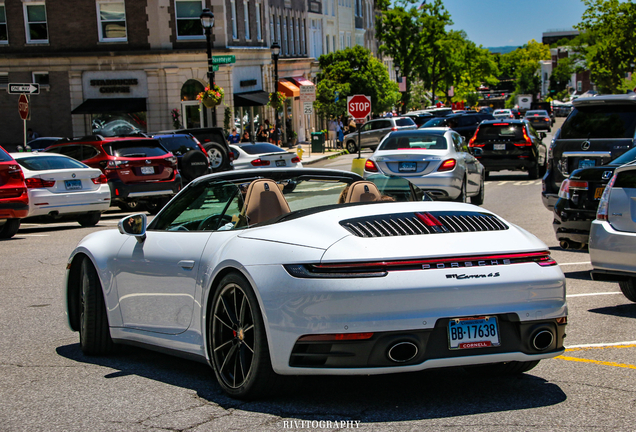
23,107
359,106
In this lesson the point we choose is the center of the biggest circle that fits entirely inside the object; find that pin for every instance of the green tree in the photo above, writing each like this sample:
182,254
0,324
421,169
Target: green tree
523,65
611,51
561,75
353,71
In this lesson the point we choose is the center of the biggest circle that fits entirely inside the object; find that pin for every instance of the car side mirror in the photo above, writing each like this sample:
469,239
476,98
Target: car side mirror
542,135
134,225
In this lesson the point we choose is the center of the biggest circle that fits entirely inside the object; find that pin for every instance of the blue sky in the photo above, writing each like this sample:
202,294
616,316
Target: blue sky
494,23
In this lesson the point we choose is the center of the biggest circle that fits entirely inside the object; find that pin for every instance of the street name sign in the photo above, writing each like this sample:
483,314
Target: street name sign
23,107
224,59
359,106
23,88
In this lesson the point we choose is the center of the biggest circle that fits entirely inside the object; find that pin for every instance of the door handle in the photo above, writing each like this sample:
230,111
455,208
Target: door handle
186,264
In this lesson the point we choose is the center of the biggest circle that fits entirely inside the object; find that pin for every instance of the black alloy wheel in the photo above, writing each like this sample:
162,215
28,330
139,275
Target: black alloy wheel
94,331
237,342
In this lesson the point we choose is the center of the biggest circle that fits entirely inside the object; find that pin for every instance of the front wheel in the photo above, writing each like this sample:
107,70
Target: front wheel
352,147
509,368
237,341
94,332
629,288
10,228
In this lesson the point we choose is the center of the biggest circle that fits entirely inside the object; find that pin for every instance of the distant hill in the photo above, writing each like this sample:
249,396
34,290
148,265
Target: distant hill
503,49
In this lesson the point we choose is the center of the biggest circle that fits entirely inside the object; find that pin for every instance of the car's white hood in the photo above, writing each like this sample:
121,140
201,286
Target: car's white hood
323,231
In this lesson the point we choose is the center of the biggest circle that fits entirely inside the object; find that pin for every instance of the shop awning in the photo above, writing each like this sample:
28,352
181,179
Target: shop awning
302,81
111,105
255,98
288,88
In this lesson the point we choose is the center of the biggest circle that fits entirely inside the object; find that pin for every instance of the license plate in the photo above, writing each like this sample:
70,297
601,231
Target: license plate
281,163
73,184
477,332
598,193
148,170
499,147
407,166
586,163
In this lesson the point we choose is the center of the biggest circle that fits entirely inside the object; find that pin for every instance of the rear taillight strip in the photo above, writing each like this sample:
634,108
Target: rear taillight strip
382,268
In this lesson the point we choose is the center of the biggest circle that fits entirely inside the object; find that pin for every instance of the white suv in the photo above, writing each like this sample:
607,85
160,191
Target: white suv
613,233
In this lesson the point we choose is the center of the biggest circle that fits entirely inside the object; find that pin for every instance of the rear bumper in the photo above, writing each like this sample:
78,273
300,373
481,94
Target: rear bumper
512,163
572,224
119,191
44,203
611,250
12,209
444,185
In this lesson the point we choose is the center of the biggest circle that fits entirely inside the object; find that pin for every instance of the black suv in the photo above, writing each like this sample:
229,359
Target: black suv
191,157
598,130
213,141
578,201
463,124
509,145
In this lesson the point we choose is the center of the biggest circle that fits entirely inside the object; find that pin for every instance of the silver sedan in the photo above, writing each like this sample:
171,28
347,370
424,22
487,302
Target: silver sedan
434,159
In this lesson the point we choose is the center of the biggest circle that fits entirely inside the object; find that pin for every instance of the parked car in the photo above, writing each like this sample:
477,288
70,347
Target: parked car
613,233
139,170
579,196
539,119
62,187
509,145
503,114
237,275
263,155
213,141
192,159
434,159
14,198
373,131
464,124
598,130
41,143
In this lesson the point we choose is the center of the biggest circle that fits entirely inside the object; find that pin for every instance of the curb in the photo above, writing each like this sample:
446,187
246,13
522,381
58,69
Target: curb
324,156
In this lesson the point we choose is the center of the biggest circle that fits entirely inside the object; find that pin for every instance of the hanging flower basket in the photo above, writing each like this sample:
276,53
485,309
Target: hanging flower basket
276,100
211,97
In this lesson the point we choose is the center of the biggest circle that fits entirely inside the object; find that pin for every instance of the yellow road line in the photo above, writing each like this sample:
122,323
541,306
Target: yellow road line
604,363
630,344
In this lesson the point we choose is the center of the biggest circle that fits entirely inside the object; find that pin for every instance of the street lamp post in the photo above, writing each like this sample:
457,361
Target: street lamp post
207,21
275,53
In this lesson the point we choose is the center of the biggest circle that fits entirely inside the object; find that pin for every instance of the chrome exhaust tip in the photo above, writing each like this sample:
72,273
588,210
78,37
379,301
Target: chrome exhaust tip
542,340
402,352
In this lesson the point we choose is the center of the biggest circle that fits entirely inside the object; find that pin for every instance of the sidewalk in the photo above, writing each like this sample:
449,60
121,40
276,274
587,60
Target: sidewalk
310,157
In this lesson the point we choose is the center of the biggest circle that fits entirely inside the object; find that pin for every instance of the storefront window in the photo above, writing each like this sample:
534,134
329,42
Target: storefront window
190,90
118,124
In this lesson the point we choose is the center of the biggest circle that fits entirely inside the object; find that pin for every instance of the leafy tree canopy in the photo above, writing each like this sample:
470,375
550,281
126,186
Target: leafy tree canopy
523,65
349,72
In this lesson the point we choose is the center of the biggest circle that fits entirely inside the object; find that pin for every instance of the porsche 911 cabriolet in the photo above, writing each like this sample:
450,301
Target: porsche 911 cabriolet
337,276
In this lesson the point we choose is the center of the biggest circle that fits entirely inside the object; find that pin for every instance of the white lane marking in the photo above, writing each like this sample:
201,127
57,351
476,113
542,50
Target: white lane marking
576,263
601,345
593,294
502,182
32,235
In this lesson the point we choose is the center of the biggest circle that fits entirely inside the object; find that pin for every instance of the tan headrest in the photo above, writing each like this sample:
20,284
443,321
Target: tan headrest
363,191
263,201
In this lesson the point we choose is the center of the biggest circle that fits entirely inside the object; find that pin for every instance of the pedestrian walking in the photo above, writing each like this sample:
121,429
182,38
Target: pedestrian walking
234,137
331,127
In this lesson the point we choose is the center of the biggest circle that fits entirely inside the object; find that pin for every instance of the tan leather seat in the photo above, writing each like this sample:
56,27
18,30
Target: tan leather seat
263,201
363,191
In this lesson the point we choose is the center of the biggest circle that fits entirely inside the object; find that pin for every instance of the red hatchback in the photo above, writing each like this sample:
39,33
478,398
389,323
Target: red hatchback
14,200
138,169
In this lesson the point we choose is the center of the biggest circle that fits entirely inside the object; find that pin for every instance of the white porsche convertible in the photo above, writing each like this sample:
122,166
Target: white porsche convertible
338,276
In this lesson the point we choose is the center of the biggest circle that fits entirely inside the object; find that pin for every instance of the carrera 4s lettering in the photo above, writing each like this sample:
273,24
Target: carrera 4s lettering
475,276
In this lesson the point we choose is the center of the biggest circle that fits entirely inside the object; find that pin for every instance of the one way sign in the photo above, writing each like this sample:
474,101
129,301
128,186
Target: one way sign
22,88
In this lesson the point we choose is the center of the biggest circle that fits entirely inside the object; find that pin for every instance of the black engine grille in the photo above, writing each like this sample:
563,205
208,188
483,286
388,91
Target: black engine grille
399,224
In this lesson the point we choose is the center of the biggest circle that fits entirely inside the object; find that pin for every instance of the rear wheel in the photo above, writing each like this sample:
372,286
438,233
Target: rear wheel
89,219
237,341
217,155
479,198
629,288
10,228
462,194
132,205
94,332
509,368
352,147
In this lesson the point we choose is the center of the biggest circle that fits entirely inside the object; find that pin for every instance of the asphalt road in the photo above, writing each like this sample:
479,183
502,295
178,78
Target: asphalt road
47,384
